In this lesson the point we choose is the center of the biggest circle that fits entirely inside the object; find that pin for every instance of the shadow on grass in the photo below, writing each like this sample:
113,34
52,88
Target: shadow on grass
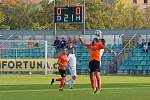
77,86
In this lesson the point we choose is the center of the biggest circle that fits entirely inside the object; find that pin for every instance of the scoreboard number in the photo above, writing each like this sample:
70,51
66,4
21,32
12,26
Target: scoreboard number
77,11
68,14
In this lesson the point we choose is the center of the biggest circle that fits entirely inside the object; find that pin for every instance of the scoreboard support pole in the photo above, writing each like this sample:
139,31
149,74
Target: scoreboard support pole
55,33
84,18
55,25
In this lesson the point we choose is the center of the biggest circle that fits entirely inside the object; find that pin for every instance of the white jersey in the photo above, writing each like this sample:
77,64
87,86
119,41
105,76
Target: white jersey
72,60
101,54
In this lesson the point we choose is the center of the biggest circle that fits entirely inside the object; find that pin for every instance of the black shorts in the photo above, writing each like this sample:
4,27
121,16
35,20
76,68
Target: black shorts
62,73
94,66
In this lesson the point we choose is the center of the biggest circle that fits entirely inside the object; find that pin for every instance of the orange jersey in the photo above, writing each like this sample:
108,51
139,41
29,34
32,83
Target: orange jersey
94,51
63,60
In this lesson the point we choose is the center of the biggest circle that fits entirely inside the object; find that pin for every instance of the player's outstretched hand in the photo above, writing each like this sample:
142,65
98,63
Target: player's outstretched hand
80,39
113,52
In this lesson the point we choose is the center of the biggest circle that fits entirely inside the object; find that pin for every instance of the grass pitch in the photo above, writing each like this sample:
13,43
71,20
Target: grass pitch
37,87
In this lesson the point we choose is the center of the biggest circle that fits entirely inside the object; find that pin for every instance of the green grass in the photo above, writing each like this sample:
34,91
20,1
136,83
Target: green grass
36,87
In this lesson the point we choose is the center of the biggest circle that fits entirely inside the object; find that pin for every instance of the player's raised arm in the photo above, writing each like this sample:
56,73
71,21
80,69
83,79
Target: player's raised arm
84,43
108,49
102,45
81,41
112,51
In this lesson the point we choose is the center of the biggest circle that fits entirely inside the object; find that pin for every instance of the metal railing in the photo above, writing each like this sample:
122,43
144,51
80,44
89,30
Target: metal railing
124,53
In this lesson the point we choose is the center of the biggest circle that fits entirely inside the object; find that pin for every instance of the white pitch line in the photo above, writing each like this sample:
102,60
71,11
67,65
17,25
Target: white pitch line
82,89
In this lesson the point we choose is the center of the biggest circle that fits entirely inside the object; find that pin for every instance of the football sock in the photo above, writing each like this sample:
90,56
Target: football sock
98,82
59,79
62,82
71,83
93,82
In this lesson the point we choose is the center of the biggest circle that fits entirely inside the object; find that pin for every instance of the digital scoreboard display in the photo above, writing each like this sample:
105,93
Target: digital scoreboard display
68,14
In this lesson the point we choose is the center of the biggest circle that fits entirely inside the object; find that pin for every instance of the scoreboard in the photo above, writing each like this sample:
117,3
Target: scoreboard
68,14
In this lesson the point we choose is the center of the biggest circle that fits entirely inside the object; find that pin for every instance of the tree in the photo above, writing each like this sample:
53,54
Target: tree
147,18
43,15
137,17
99,15
10,4
2,16
2,19
121,17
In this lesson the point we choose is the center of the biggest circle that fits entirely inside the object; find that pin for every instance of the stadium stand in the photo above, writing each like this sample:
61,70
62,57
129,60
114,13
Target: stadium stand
82,54
83,58
23,53
137,61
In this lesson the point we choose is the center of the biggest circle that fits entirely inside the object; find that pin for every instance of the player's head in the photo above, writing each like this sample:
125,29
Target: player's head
72,50
64,51
30,38
95,40
69,38
102,41
63,38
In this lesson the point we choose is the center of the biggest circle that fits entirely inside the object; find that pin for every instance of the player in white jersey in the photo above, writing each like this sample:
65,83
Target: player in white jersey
72,67
101,54
99,36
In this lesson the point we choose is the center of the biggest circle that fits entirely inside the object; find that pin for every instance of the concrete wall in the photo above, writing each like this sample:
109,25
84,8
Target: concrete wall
73,32
111,36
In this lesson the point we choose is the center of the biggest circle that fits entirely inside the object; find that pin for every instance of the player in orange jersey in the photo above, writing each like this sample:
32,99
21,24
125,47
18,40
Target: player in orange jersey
94,64
62,62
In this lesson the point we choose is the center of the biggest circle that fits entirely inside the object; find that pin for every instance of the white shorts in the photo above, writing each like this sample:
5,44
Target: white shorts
73,71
